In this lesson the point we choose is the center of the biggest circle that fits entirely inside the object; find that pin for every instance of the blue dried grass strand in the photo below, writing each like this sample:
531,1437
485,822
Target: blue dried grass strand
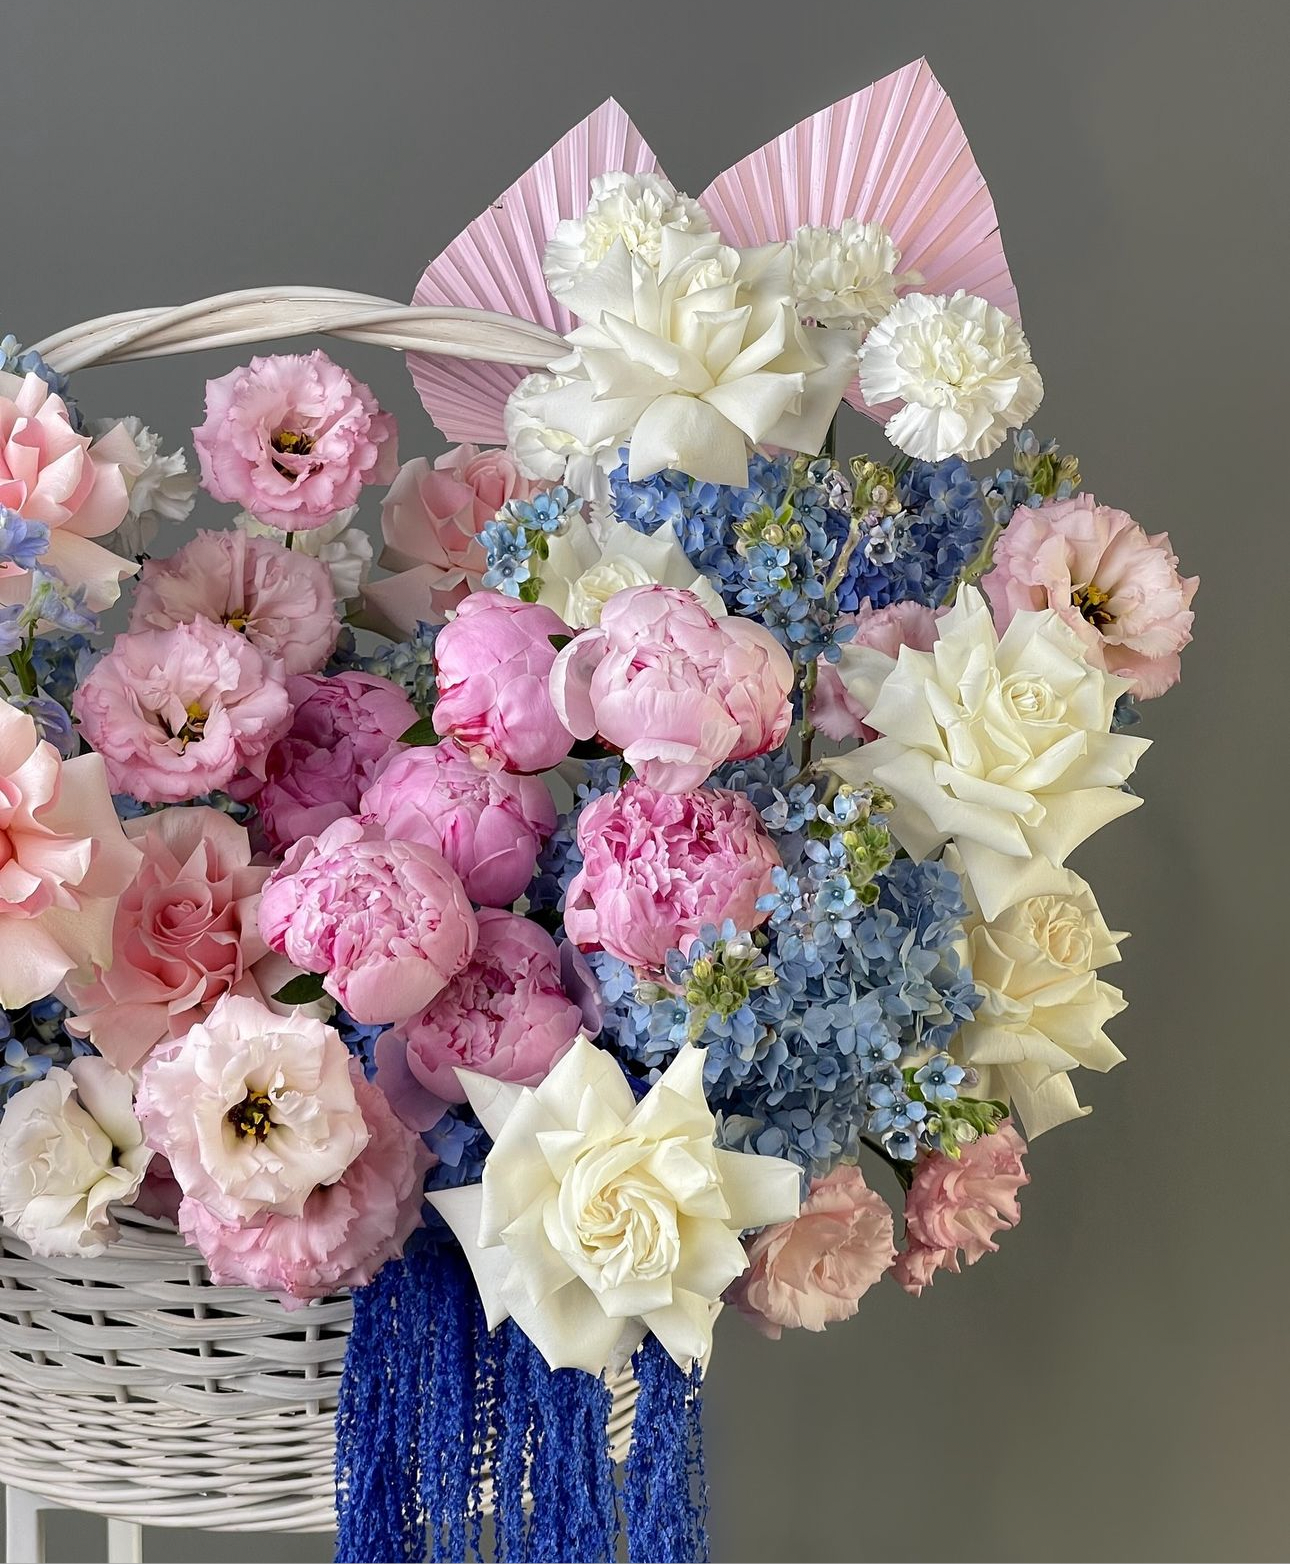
664,1506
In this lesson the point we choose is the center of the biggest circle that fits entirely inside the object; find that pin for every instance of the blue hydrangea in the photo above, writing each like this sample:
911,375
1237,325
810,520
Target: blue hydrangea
560,859
61,664
461,1144
409,664
33,1042
14,360
360,1038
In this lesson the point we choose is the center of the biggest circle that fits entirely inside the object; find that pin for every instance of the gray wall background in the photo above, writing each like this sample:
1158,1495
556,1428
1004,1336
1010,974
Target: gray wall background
1112,1385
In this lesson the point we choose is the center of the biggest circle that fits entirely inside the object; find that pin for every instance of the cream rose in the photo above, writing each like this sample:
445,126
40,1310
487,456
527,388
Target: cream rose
584,569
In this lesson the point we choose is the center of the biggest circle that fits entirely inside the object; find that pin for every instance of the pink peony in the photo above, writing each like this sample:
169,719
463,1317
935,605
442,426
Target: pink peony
347,1230
293,439
1118,588
493,664
64,860
674,689
342,730
429,520
184,935
960,1203
815,1269
658,866
387,922
488,824
281,600
51,474
176,713
835,711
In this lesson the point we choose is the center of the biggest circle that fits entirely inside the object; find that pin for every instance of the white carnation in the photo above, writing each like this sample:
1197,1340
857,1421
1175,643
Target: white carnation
632,207
345,549
846,277
159,484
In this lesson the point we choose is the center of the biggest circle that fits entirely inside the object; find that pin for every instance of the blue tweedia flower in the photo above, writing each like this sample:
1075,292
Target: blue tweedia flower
15,361
409,664
545,512
22,542
507,552
939,1079
1038,472
33,1042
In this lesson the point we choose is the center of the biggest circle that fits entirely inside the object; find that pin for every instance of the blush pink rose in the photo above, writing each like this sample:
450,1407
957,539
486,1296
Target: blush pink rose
176,713
293,439
347,1230
961,1203
677,691
388,923
280,599
429,520
493,664
814,1270
488,824
343,728
835,711
1117,587
657,867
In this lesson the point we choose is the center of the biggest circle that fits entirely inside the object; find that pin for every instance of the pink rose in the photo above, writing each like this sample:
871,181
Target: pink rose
659,866
1116,587
429,520
387,922
342,729
64,861
815,1269
488,824
176,713
493,664
293,439
184,935
279,599
674,689
835,711
51,474
347,1230
961,1203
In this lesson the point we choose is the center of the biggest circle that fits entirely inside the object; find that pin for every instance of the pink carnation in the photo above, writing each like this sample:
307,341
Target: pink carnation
659,866
280,599
179,712
493,664
1116,586
835,711
961,1203
388,923
815,1269
293,439
342,730
674,689
347,1230
488,824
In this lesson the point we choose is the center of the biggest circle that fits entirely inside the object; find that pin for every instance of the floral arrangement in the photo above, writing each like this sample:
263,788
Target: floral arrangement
610,907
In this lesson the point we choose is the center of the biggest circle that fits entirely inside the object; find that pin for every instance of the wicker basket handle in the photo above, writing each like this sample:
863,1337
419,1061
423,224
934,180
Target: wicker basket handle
259,314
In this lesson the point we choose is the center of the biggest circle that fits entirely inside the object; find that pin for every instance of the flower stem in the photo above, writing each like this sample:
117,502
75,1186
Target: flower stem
20,662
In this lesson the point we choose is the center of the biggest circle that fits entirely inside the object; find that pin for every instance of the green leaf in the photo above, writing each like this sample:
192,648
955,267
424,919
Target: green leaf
421,732
559,641
304,989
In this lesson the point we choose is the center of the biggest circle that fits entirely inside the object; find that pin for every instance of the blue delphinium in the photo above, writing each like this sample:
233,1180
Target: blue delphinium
61,662
23,543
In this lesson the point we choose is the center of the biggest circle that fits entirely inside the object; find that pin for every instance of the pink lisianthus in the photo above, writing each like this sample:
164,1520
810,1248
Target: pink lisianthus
176,713
657,867
815,1269
293,439
342,730
184,935
279,599
677,691
488,824
961,1203
429,520
347,1230
387,923
1117,587
64,861
835,711
493,664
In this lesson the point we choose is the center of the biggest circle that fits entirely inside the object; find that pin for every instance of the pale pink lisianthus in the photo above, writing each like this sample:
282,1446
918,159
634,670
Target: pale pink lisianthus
960,1203
343,728
488,824
387,923
835,711
280,599
347,1230
1115,585
64,861
657,867
293,439
176,713
814,1270
677,691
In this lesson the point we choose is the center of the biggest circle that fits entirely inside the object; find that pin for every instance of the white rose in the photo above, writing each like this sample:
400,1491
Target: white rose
580,574
633,208
159,485
600,1218
345,549
846,277
70,1146
551,455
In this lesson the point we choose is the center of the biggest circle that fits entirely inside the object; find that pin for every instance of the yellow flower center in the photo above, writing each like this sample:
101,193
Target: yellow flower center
290,442
1091,601
252,1118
